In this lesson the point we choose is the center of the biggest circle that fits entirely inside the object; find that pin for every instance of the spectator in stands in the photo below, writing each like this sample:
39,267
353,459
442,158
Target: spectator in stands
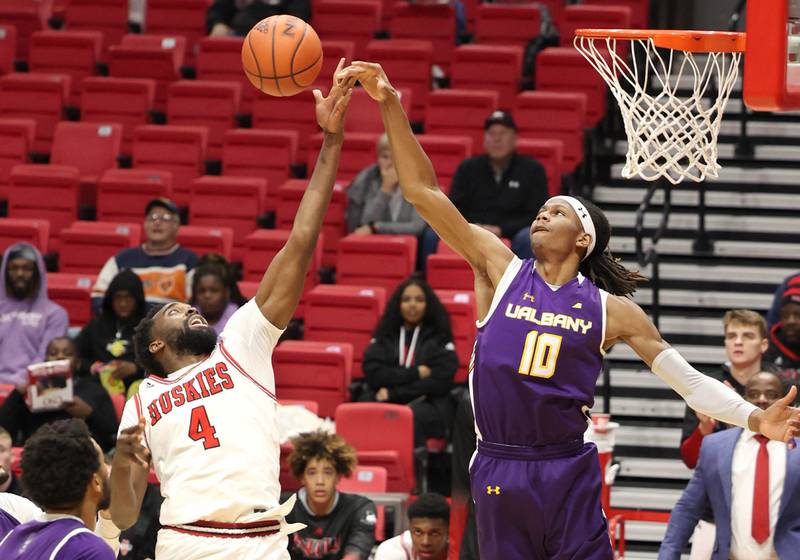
784,336
426,537
745,345
500,190
164,267
375,203
338,525
751,484
792,281
28,319
106,342
214,291
237,17
91,402
412,360
8,482
65,473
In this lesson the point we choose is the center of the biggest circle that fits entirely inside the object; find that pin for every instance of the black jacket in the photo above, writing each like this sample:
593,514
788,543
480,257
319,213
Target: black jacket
381,369
105,338
784,356
241,15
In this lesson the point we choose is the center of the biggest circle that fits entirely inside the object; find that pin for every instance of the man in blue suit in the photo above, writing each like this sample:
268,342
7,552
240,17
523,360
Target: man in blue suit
752,486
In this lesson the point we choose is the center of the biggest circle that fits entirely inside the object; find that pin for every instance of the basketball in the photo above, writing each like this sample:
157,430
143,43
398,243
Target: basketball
282,55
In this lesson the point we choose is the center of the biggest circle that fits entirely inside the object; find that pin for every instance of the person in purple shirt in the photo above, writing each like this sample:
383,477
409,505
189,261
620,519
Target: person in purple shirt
63,471
544,326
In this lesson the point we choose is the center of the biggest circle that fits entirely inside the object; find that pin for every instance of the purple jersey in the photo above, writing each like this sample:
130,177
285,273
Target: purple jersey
65,538
537,358
7,523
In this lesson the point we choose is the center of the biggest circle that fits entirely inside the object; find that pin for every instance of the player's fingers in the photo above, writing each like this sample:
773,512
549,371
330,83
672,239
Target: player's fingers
790,397
341,104
317,96
339,66
130,430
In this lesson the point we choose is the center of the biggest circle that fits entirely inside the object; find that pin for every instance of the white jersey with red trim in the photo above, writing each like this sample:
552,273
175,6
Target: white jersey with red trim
211,430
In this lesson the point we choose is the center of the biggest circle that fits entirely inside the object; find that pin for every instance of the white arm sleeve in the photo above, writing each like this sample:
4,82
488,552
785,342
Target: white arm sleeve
106,530
701,392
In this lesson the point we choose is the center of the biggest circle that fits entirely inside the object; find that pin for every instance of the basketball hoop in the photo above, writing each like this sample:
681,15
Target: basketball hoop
668,136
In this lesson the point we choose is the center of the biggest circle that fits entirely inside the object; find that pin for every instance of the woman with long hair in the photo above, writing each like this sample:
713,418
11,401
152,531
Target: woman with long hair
411,358
214,291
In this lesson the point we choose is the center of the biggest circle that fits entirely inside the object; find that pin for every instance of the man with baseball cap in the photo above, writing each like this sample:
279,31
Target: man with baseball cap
784,336
499,190
28,319
164,267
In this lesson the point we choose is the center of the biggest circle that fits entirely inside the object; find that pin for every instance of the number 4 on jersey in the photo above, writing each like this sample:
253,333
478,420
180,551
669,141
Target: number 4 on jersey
200,429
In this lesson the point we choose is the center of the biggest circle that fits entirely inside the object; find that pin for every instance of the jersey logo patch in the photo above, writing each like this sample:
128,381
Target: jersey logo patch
527,296
578,305
493,490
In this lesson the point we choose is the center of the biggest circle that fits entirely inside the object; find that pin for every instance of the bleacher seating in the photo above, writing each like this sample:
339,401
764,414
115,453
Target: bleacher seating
408,62
186,18
220,59
586,15
319,371
108,16
73,293
364,115
123,194
35,232
481,67
364,480
27,17
207,239
41,97
86,246
503,24
449,271
550,153
460,306
8,47
334,51
446,153
639,9
347,20
459,112
358,152
125,101
75,53
16,143
287,113
428,22
376,260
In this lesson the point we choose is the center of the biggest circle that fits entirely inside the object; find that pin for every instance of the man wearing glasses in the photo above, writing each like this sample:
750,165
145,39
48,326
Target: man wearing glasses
164,267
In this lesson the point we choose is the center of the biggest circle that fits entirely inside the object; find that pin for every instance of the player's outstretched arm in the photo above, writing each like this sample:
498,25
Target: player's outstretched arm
628,322
282,284
129,472
484,252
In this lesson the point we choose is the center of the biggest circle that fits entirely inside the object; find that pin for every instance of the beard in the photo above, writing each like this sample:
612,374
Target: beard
4,475
194,342
105,501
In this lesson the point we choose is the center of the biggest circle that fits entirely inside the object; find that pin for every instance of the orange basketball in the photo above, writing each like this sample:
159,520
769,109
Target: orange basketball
282,55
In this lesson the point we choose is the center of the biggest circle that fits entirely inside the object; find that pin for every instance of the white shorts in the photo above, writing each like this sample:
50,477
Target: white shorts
172,545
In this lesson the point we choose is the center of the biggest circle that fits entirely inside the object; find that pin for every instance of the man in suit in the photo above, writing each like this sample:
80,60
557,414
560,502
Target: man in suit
752,486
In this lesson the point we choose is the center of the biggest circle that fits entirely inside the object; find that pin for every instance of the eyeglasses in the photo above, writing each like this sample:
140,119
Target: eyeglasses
156,217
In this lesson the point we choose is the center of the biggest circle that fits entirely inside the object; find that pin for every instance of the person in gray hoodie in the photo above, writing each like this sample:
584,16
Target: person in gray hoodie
28,319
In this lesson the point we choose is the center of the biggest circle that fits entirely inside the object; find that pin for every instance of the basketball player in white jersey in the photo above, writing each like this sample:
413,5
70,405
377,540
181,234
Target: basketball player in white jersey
205,415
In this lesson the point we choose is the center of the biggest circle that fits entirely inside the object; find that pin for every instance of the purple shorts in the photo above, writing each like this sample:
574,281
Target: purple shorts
537,503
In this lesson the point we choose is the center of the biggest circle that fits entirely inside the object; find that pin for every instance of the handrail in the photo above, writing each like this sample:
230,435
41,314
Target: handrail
650,256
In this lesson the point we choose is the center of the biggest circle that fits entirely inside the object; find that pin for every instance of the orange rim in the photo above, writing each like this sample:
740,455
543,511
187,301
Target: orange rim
683,40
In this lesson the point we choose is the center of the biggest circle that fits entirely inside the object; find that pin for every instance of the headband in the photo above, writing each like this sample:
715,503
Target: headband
583,216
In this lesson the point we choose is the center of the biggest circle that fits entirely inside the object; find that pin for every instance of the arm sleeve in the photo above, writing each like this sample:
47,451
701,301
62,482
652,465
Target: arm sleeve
690,448
106,530
535,185
362,533
701,392
378,372
107,273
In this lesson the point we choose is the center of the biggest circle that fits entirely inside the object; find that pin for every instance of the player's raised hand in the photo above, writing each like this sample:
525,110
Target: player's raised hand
371,77
129,447
331,110
781,421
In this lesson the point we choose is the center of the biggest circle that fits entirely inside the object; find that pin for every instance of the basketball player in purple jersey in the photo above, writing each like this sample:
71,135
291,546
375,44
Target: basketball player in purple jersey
545,324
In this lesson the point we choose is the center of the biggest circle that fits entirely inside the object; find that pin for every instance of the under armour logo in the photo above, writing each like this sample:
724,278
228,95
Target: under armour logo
578,305
493,490
526,295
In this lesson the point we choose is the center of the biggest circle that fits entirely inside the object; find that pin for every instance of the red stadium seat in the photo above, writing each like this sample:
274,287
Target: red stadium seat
16,143
364,115
478,67
219,59
548,115
178,149
211,104
449,272
347,20
16,461
319,371
294,113
333,225
376,260
5,390
118,400
311,406
205,239
564,69
149,56
640,10
260,153
125,101
550,153
459,112
357,153
372,480
27,16
92,148
108,16
46,192
383,435
35,232
583,15
261,246
8,47
408,62
236,202
329,306
75,53
123,194
445,153
460,306
434,23
40,97
178,17
499,24
73,293
86,246
334,51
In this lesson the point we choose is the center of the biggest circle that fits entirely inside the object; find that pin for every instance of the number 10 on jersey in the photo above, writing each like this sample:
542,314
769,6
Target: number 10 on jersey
539,354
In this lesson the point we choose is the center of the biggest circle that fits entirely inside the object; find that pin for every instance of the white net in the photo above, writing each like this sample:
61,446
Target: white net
668,136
